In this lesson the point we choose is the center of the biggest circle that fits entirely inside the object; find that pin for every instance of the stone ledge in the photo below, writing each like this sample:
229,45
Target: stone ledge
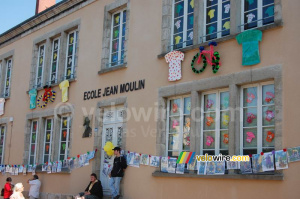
222,39
63,170
114,68
54,85
278,177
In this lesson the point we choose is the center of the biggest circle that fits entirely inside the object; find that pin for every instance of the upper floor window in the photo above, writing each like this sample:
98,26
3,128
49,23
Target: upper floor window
217,19
7,78
178,125
117,44
2,143
183,23
71,55
214,128
48,140
54,61
33,142
40,66
256,13
64,143
257,118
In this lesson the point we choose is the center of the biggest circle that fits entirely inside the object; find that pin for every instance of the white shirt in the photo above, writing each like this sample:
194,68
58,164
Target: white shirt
34,188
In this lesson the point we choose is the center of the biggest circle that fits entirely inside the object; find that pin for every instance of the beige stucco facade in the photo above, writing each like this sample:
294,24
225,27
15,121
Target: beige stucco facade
278,51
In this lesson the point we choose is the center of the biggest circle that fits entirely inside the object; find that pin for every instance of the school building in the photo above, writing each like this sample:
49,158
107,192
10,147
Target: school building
123,86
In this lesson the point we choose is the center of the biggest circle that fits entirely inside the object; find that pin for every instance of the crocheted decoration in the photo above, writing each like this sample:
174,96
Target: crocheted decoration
48,96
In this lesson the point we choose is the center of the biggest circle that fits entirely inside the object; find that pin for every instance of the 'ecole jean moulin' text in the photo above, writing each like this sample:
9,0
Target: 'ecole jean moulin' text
113,90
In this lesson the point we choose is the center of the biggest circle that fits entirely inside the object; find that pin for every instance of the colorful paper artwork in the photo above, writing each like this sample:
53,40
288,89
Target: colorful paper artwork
164,165
144,159
130,157
233,165
268,162
293,154
180,168
106,169
193,165
250,97
209,140
281,160
154,161
270,136
245,167
257,163
136,160
209,121
269,115
201,168
172,165
250,136
210,168
250,117
225,138
220,168
270,96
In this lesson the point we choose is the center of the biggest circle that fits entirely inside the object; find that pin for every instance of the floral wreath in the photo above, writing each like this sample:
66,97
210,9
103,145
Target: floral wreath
48,96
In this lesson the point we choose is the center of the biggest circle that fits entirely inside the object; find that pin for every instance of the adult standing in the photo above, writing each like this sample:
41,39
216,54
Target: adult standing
117,173
8,188
18,189
35,185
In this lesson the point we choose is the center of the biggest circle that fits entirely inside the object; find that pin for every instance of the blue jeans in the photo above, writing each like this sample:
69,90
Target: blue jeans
114,185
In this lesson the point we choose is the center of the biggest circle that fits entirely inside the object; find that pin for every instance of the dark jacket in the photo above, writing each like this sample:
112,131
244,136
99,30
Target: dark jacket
96,189
118,168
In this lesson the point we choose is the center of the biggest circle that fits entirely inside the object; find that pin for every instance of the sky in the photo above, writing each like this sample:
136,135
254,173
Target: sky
14,12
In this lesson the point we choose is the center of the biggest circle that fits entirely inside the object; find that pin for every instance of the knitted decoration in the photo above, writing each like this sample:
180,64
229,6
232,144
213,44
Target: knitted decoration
48,96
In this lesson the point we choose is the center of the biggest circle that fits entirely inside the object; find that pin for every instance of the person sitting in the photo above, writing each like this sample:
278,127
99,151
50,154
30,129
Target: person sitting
18,189
93,191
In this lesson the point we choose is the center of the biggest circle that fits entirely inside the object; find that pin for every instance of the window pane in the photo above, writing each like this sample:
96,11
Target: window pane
174,142
116,19
178,9
209,140
250,97
174,126
268,14
224,99
189,39
226,10
268,137
212,14
250,117
175,107
209,152
116,32
249,151
267,2
209,121
250,19
124,16
187,105
211,31
211,2
224,119
191,5
268,116
186,141
187,124
190,21
225,27
210,102
224,140
268,94
250,4
250,138
178,41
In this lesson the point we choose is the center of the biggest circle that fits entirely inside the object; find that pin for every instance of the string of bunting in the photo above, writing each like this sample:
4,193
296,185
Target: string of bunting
263,162
50,167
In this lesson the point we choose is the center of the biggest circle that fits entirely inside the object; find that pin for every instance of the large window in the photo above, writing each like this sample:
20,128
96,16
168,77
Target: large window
40,66
117,44
33,142
257,118
214,128
183,23
256,13
217,19
2,143
48,140
178,125
54,61
7,78
71,55
64,143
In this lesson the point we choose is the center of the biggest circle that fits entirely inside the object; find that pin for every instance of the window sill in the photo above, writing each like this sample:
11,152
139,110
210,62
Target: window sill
114,68
277,177
53,85
63,170
222,39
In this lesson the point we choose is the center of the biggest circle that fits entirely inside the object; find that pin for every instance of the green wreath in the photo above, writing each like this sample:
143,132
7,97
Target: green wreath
216,62
204,63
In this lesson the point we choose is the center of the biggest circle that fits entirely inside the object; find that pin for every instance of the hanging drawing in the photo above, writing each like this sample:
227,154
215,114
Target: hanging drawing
87,123
213,58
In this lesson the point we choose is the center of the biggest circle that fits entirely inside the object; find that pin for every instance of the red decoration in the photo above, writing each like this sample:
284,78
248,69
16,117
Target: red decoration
47,94
96,150
262,153
284,150
78,156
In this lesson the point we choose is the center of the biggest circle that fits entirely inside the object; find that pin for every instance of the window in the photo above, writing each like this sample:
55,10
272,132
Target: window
33,142
48,139
2,143
40,66
64,143
257,118
217,19
7,78
183,23
117,44
70,55
178,125
214,128
256,13
54,61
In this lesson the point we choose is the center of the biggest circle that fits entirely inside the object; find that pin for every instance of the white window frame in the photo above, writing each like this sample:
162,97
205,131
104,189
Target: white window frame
50,143
219,20
259,115
120,37
72,76
37,66
217,119
67,138
57,60
5,86
30,143
185,18
181,122
259,19
3,145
